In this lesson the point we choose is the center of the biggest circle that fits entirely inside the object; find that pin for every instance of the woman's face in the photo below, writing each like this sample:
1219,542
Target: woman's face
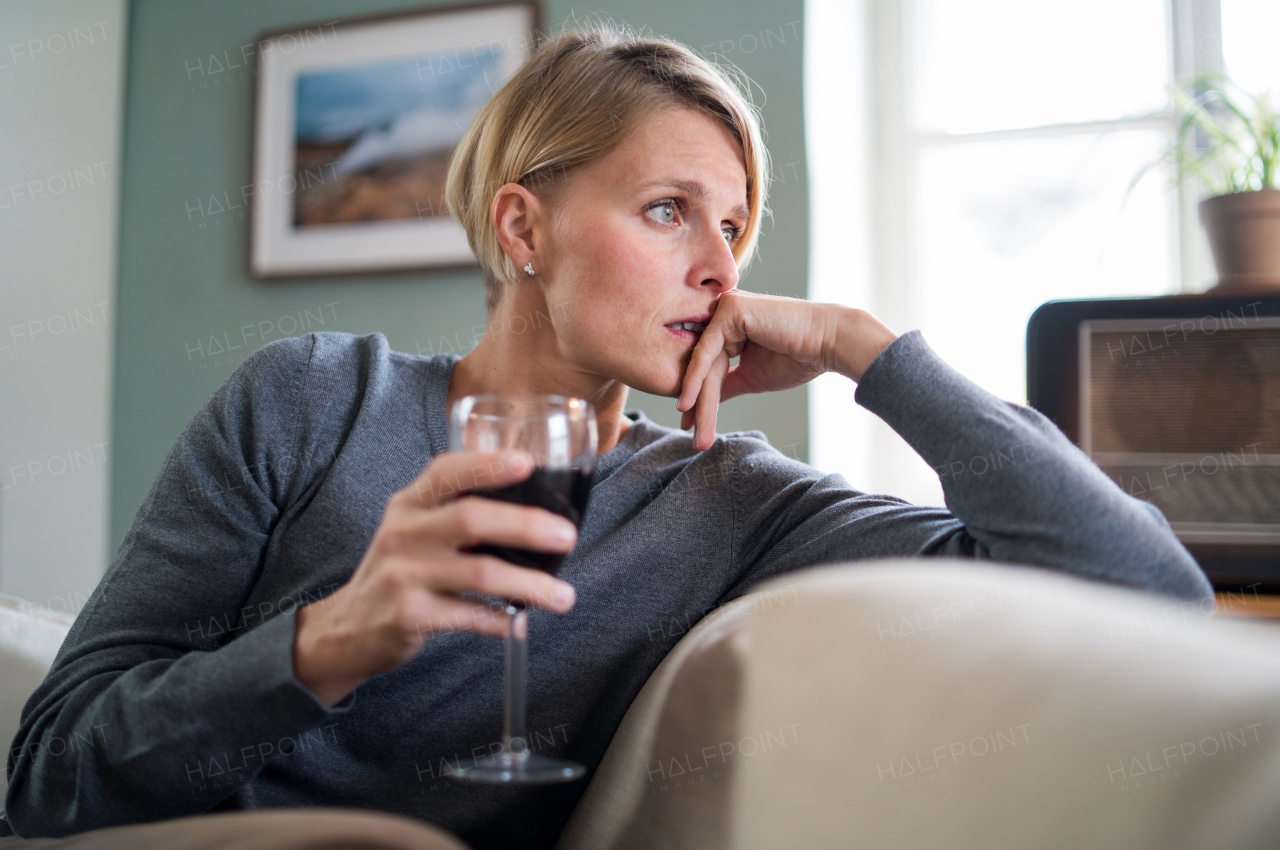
639,239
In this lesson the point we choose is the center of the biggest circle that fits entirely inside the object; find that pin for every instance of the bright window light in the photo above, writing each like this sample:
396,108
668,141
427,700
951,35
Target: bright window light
984,65
1250,29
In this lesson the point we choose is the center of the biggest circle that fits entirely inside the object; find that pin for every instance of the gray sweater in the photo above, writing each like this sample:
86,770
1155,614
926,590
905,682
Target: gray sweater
174,692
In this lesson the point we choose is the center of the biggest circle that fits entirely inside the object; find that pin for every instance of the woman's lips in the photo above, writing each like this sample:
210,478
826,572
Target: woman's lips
688,336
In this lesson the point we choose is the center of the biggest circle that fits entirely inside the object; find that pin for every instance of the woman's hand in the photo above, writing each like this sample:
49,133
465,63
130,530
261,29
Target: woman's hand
782,343
406,587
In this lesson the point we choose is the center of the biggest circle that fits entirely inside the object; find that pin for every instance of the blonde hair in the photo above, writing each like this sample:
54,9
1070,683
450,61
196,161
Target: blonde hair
577,97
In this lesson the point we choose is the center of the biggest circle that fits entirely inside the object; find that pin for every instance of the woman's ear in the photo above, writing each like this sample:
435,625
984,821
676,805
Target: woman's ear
516,214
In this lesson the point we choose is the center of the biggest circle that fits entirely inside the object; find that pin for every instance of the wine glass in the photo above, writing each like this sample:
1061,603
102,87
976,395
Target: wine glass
560,433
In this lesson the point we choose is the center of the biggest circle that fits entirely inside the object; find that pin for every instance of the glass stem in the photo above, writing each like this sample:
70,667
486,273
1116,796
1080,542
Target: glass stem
513,731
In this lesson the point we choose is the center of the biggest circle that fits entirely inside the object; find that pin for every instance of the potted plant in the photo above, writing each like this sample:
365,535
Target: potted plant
1229,141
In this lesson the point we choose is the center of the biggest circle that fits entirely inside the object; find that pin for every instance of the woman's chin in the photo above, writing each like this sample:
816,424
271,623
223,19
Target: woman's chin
666,381
674,382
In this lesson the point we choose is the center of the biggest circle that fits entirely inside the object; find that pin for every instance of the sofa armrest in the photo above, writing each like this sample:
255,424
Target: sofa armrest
30,637
939,702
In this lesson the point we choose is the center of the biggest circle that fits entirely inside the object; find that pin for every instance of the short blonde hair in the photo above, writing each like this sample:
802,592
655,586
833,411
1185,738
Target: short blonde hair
577,97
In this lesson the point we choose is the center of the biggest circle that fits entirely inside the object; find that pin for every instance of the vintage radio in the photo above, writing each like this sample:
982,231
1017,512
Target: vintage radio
1177,399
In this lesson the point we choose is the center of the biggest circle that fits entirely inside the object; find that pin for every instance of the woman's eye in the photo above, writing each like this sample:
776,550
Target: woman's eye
667,209
670,209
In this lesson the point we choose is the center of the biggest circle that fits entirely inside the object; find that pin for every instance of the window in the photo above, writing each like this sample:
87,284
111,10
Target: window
996,141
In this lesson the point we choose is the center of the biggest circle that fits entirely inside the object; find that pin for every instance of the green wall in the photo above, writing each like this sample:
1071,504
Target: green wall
182,272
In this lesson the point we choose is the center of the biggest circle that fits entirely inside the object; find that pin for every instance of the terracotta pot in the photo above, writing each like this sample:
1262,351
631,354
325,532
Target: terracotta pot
1244,235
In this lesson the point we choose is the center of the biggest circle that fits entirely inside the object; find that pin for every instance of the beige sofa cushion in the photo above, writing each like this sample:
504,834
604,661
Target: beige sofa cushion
945,703
29,639
261,829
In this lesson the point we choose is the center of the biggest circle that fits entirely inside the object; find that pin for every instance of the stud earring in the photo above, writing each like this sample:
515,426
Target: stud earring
528,268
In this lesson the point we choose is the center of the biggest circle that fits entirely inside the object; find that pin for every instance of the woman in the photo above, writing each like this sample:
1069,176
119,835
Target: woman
292,621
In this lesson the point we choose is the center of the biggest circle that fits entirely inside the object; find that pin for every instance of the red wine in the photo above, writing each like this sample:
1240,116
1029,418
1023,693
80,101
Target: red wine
561,491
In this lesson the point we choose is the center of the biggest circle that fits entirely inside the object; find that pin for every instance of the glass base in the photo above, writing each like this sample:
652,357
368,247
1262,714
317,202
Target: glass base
526,767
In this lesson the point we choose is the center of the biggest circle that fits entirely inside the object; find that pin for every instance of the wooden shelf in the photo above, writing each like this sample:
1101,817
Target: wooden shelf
1248,604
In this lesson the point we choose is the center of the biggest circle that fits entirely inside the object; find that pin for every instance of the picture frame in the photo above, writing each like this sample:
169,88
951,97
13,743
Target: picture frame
354,124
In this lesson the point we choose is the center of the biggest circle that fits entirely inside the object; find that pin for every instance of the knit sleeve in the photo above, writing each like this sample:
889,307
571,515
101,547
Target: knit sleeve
147,698
1016,489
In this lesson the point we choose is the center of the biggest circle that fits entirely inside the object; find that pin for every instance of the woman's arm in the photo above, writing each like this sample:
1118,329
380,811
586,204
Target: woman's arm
1016,488
165,675
170,691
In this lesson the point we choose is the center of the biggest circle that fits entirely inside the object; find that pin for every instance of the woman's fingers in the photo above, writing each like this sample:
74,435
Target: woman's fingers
496,577
503,524
727,331
704,354
452,474
458,615
708,403
710,343
466,520
418,533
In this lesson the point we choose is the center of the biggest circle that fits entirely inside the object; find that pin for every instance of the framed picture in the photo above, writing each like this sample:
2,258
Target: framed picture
354,126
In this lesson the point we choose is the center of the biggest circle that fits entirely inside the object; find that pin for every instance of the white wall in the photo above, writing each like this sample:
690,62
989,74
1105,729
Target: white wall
838,94
61,103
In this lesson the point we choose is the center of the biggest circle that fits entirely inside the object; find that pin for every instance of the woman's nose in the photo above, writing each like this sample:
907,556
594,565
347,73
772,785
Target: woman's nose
721,267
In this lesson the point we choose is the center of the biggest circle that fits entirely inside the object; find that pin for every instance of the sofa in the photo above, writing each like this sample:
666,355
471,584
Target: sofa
29,639
935,703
